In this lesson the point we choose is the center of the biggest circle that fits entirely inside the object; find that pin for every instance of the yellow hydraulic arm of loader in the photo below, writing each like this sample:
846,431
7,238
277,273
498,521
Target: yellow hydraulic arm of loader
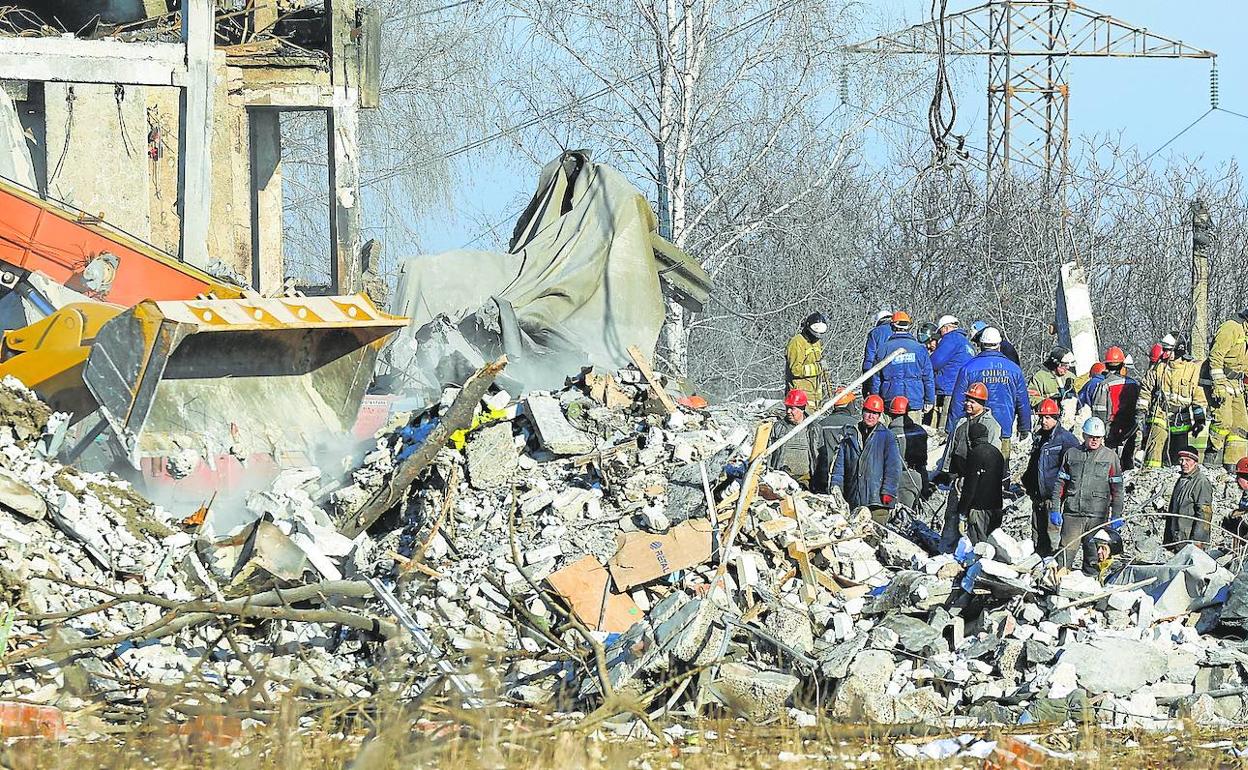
49,355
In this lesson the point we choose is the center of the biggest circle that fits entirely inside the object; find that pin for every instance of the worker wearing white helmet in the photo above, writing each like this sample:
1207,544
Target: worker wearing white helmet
1087,496
951,354
875,338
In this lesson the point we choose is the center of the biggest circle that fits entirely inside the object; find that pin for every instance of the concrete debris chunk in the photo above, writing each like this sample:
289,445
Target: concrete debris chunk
492,456
553,429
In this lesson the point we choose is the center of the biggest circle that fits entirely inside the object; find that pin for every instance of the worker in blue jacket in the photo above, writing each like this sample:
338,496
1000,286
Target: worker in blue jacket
875,338
951,354
1051,441
909,374
1007,347
868,463
1007,389
1096,374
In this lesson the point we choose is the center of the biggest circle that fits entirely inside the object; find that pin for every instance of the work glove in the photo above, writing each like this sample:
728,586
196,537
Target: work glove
1116,523
928,408
1055,518
886,499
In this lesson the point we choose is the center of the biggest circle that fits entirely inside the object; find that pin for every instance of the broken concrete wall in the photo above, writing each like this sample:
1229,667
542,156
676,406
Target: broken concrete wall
97,152
136,130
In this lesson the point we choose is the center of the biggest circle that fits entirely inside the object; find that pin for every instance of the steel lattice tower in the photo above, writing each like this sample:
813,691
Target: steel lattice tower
1028,44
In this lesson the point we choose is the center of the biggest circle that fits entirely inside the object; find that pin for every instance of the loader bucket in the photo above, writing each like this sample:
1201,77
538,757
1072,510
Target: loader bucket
238,377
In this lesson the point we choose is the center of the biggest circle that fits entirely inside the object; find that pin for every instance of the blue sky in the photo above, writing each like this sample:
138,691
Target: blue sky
1145,101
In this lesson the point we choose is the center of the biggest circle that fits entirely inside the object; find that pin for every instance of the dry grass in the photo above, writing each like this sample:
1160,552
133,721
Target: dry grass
506,740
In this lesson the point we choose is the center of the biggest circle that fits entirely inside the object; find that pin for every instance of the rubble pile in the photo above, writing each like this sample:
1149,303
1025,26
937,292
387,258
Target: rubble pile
573,545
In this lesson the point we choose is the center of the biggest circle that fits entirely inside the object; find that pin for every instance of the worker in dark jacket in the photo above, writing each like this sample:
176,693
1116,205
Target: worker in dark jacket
912,443
909,374
831,430
974,411
980,503
1191,504
1051,441
868,463
797,456
1116,402
1087,496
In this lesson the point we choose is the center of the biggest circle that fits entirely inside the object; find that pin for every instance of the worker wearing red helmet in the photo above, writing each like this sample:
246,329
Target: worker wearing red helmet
1050,441
912,443
831,430
975,411
796,457
1116,403
868,463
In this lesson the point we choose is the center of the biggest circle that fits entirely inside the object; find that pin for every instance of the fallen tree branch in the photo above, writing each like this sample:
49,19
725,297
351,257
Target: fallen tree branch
458,417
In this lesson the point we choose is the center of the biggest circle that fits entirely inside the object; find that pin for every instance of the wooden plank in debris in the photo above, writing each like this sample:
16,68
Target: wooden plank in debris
643,365
643,557
553,429
605,390
799,553
458,417
583,584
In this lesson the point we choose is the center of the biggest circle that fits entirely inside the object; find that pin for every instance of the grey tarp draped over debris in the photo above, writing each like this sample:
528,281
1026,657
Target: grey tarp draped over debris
580,284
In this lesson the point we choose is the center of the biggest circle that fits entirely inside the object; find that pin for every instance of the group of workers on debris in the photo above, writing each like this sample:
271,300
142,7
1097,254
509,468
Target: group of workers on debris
1083,440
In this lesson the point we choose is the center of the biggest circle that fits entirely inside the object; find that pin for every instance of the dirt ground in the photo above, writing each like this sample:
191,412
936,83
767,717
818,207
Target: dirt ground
543,743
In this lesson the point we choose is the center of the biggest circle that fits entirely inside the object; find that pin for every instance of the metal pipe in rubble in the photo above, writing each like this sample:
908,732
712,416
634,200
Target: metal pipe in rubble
755,467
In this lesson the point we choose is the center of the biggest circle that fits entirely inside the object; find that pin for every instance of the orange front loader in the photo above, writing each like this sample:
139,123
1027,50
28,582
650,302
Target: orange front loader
186,371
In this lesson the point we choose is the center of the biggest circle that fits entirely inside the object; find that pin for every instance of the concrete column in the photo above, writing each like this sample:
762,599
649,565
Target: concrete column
267,270
344,159
195,121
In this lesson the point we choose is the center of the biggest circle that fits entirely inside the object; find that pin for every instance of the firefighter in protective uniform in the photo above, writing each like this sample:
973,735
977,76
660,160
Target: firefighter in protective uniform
1173,403
803,361
1056,380
1228,364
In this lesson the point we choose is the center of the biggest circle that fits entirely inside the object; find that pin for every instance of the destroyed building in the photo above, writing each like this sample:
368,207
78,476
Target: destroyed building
530,514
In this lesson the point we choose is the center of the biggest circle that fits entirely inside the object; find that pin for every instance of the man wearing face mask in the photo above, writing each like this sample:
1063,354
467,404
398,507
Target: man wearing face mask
803,358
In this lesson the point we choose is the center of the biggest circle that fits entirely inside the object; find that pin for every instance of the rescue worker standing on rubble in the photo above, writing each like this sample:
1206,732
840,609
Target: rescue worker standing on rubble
1228,365
1173,403
1051,442
952,353
980,503
1006,386
797,456
875,338
975,412
912,443
1191,505
1056,380
1116,403
803,359
868,463
831,429
909,374
1087,495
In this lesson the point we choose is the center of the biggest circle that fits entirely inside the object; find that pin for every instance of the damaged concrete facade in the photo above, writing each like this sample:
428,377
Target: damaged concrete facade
197,117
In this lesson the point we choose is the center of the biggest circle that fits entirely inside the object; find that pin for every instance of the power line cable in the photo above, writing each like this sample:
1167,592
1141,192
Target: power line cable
1167,143
556,111
428,12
